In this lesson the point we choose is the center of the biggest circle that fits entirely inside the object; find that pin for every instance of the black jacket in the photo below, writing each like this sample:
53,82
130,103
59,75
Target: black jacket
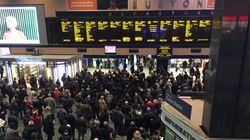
48,127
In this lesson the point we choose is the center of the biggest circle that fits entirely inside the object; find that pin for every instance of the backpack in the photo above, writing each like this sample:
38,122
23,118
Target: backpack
61,114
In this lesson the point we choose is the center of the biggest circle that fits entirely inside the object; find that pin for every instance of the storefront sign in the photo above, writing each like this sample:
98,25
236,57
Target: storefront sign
169,4
18,60
183,107
82,4
178,127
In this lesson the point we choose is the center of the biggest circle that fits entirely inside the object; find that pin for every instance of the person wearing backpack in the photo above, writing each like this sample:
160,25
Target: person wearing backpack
61,114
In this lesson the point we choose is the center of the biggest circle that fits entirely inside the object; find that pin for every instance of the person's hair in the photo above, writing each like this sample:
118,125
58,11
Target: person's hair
12,19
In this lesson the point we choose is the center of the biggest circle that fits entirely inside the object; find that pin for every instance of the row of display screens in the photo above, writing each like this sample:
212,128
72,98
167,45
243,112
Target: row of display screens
163,51
142,31
25,25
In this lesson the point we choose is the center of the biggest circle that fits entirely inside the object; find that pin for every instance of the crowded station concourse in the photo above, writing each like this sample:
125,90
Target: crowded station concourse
113,105
124,70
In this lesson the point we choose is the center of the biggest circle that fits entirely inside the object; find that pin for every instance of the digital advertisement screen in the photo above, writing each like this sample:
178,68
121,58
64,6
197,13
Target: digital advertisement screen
22,25
110,49
135,28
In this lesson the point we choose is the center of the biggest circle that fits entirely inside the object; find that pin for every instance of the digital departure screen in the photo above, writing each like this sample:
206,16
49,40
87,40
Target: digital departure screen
138,27
192,31
164,51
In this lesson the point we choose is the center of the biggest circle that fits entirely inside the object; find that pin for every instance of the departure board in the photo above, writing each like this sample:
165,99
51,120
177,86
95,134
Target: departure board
192,31
136,31
140,27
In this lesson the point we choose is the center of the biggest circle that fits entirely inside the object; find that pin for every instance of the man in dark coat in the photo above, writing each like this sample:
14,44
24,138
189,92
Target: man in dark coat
117,118
61,114
71,121
148,118
131,129
1,71
33,81
28,130
48,127
12,132
81,126
96,131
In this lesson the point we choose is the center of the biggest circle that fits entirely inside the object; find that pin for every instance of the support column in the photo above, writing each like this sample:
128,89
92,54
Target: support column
227,100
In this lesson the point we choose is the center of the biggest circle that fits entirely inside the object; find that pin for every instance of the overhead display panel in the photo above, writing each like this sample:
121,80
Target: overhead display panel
164,51
137,27
22,25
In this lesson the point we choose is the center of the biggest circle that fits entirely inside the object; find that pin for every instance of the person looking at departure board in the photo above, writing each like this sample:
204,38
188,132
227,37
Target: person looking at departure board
13,33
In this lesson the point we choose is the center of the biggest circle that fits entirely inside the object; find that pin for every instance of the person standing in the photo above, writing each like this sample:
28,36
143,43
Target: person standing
33,81
98,63
81,126
48,127
51,103
36,118
29,130
1,71
71,121
102,104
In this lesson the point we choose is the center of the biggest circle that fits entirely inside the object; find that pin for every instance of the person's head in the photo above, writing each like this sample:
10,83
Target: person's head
137,134
30,122
132,123
11,22
112,2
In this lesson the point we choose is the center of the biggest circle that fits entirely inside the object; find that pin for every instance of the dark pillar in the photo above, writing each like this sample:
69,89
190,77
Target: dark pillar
227,99
162,64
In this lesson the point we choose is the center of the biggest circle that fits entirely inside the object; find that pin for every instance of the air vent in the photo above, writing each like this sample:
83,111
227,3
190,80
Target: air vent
133,50
30,49
196,50
82,50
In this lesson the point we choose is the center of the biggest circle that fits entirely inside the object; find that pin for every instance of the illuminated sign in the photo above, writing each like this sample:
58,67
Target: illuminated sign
164,51
110,49
33,59
177,126
140,27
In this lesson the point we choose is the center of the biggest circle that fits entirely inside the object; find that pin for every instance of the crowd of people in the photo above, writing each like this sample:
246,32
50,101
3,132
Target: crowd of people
111,105
189,79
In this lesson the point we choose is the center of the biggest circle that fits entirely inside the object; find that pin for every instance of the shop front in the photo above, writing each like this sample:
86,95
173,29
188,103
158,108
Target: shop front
53,66
118,61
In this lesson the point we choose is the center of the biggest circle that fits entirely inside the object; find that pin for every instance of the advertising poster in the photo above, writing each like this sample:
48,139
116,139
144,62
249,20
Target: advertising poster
112,4
19,25
210,4
82,4
170,4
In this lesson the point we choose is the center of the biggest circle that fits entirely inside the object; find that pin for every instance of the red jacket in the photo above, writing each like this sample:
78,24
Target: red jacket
37,121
